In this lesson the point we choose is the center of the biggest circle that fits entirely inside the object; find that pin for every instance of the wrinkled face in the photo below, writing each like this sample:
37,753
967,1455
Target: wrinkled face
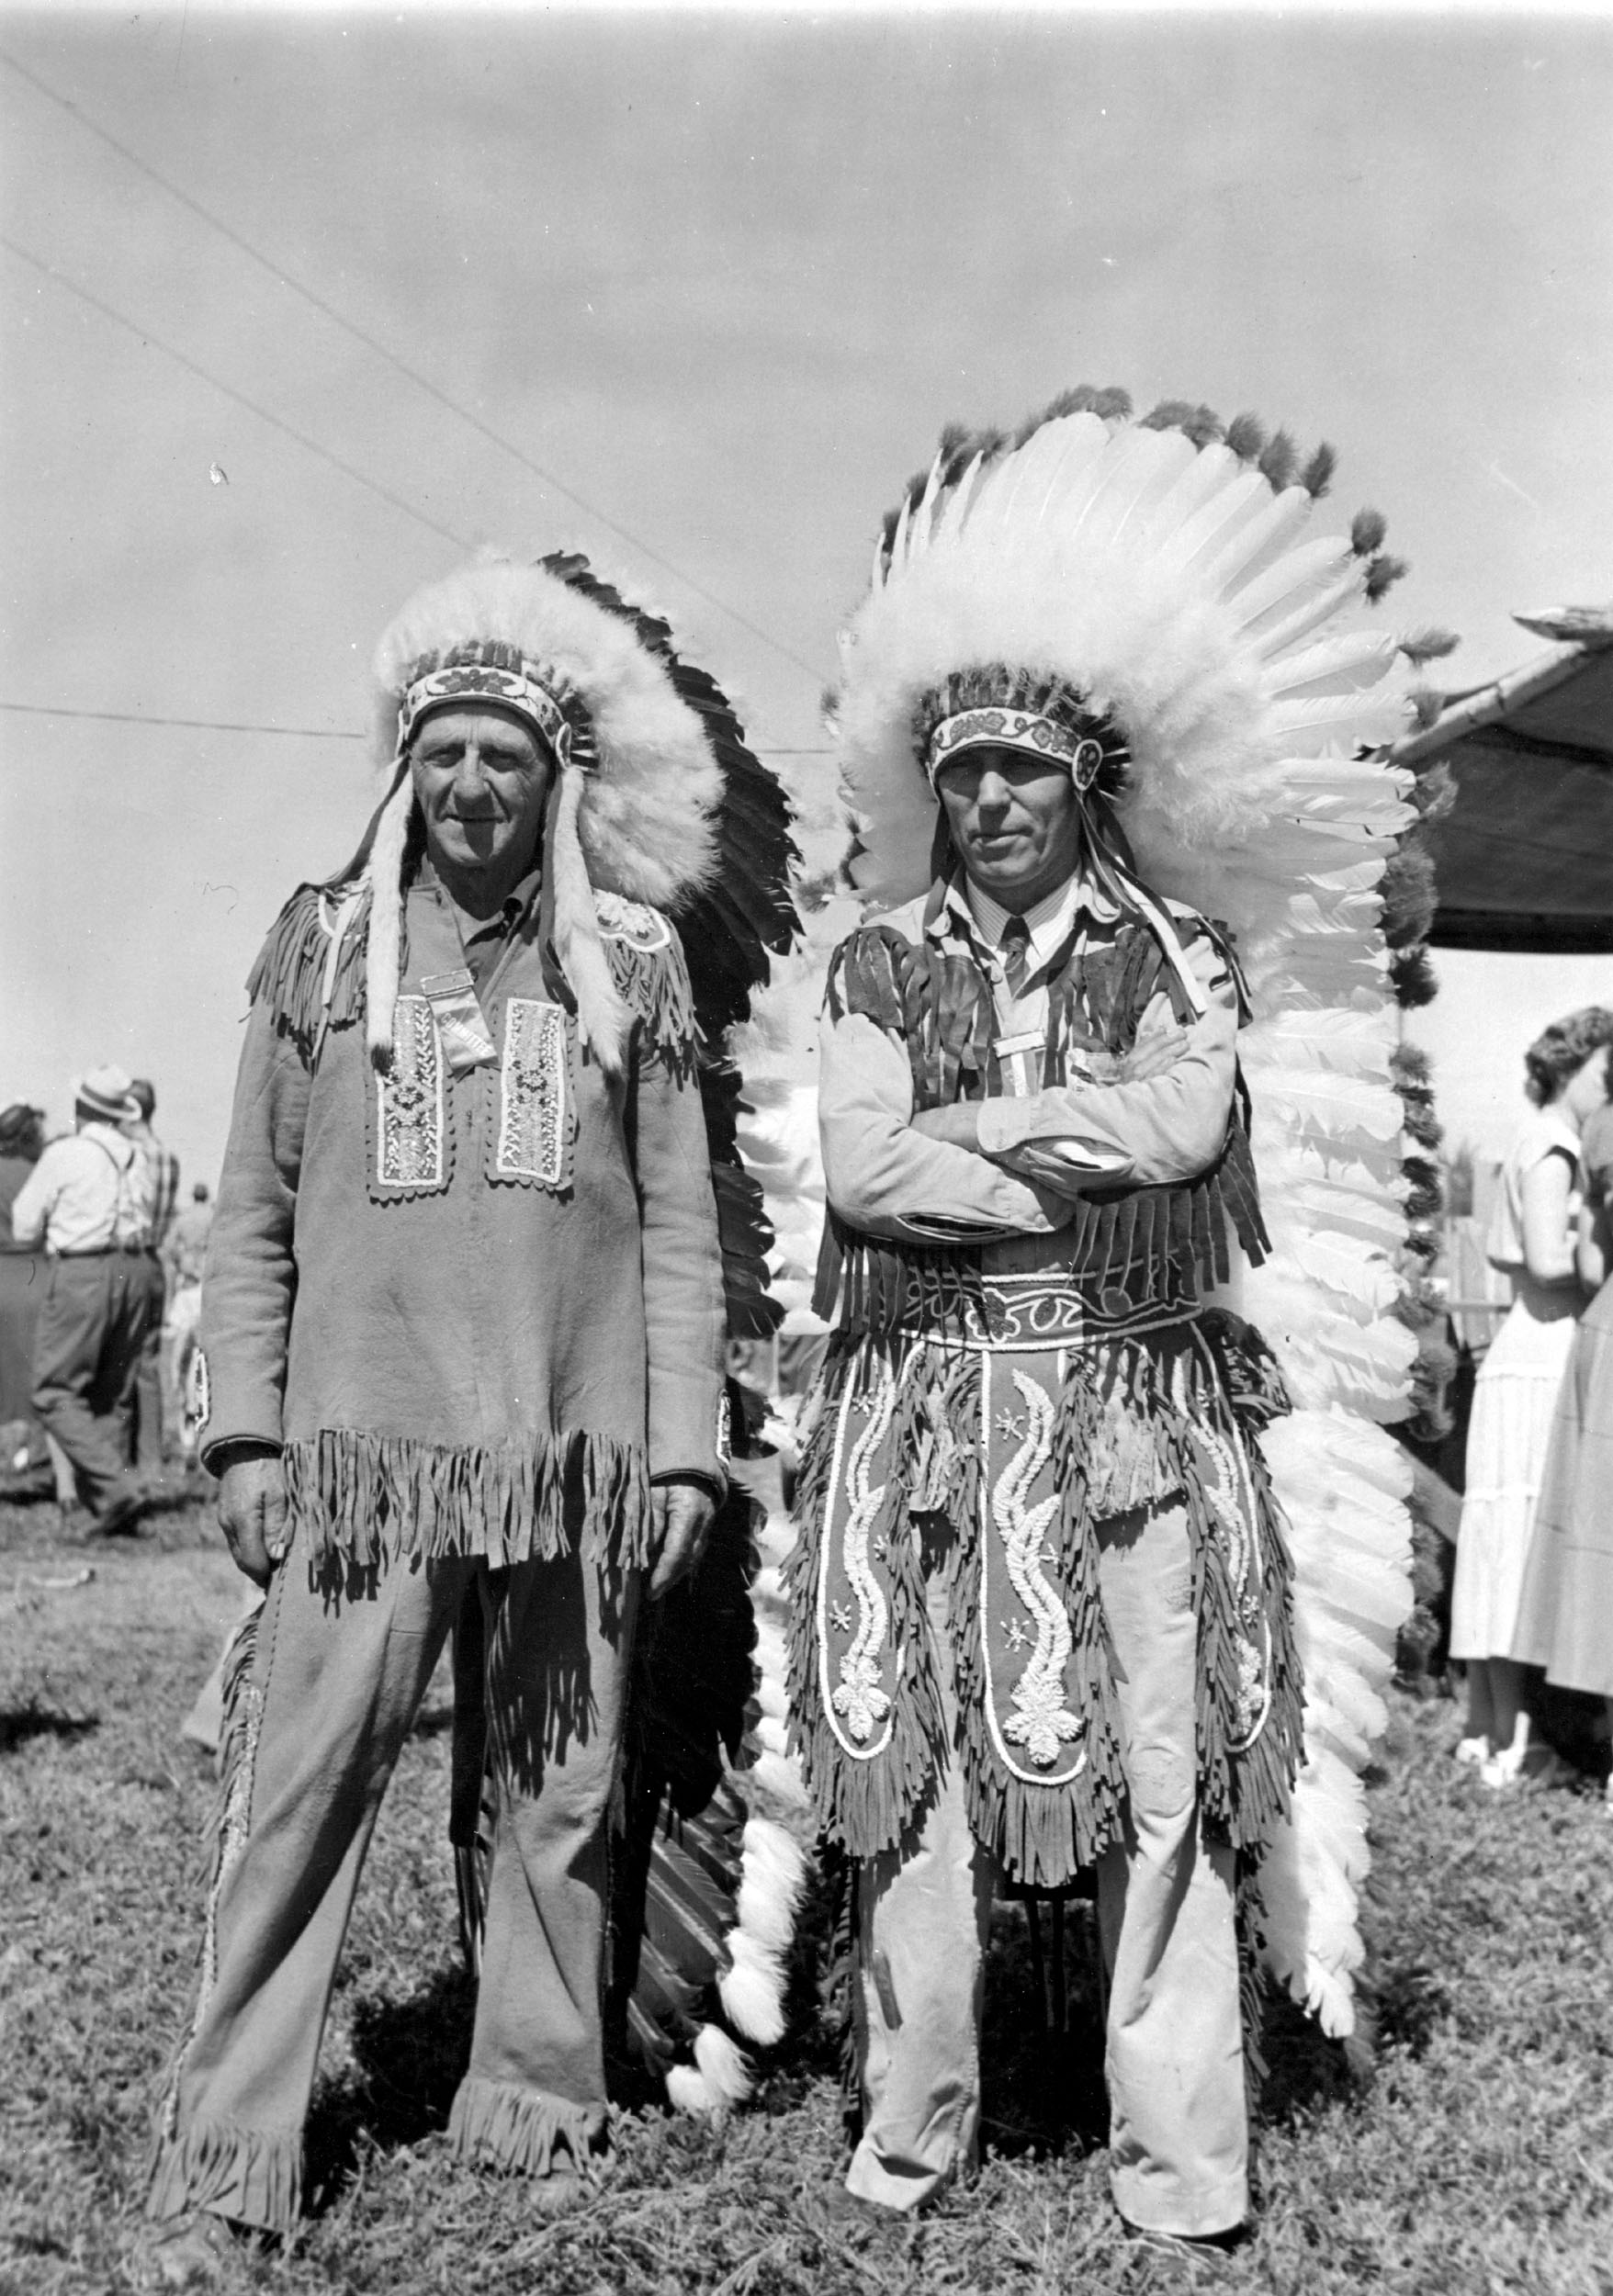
1015,823
480,777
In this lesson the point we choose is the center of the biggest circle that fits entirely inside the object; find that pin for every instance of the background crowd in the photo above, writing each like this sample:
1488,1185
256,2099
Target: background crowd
100,1290
1533,1592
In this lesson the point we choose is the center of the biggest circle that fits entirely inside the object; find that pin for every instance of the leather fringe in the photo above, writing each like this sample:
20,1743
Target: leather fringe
369,1498
260,2172
293,974
500,2125
865,1807
655,983
937,1005
257,2172
1120,1441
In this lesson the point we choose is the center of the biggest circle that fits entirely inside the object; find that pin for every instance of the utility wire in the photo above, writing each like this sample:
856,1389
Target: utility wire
421,382
299,733
197,725
144,335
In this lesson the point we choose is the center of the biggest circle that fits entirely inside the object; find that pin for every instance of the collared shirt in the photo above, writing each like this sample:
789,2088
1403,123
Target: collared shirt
484,940
1049,922
83,1195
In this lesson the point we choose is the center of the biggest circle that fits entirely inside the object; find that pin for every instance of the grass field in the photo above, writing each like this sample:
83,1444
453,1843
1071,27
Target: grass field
1477,2157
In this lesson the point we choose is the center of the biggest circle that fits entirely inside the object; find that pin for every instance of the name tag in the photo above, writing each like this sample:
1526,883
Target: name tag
1019,1060
460,1027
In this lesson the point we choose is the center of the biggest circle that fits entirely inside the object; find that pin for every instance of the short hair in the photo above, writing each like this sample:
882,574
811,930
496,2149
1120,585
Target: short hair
1558,1051
143,1090
198,1194
22,1129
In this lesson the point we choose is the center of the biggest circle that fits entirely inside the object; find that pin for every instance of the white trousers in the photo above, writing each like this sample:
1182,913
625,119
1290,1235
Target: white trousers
1178,2120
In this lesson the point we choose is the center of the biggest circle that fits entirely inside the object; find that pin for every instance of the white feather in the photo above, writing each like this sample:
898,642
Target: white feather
383,953
772,1874
752,1990
1255,546
603,1019
689,2091
780,1775
722,2065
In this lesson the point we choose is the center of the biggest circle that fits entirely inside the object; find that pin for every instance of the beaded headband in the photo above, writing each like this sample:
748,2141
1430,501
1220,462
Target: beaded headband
1026,730
491,671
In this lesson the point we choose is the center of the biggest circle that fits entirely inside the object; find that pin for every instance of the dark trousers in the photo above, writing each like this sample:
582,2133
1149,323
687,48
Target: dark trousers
92,1323
148,1379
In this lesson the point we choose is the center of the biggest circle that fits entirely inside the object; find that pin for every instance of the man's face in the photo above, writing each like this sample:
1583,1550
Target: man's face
1015,823
480,779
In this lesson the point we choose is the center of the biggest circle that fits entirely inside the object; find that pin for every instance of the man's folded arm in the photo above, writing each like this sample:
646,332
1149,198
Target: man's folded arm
1161,1129
887,1177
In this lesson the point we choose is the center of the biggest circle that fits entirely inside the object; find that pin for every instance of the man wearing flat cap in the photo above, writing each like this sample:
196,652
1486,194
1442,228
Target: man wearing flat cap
462,1334
85,1209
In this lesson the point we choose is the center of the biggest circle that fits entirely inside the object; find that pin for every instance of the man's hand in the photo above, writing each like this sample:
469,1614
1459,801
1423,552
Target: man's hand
251,1515
1151,1056
957,1125
683,1514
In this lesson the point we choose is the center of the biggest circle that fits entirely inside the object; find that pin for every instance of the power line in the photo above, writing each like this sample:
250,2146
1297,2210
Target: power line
299,733
144,335
196,725
421,382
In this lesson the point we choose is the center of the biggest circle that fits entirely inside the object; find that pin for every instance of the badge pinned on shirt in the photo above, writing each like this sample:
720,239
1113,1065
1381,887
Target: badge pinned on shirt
461,1029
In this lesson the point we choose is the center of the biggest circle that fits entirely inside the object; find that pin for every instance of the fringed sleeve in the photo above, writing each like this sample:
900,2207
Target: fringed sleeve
309,971
646,964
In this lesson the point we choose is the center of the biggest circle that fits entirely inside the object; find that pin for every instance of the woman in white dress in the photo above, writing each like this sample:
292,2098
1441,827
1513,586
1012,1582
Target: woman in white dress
1530,1240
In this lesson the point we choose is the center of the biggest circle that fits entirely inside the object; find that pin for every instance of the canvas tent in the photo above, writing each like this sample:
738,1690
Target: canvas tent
1524,858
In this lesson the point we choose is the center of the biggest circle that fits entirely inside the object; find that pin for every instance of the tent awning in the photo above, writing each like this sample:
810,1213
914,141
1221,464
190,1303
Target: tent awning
1524,859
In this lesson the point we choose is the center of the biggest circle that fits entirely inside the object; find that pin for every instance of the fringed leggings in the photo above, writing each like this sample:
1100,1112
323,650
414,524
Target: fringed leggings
314,1730
1179,2136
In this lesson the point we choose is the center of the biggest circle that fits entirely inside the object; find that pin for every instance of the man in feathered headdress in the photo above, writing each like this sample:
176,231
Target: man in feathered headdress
462,1337
1044,1619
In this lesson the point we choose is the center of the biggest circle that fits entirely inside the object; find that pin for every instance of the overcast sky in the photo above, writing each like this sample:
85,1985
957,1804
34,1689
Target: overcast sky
722,280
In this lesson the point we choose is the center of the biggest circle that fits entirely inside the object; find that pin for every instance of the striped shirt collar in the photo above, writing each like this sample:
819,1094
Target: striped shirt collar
1049,921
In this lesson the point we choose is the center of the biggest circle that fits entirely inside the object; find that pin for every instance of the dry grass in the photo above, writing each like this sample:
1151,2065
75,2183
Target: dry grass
1479,2158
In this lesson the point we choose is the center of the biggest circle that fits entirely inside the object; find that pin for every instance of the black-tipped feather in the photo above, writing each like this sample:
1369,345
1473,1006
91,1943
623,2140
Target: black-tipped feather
1382,573
1317,474
1278,460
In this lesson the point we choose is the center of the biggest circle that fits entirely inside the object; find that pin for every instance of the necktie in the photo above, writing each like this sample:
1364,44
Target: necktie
1014,949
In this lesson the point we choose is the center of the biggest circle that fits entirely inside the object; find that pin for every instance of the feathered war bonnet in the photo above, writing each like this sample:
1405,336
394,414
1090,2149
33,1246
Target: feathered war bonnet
635,788
1135,598
1157,587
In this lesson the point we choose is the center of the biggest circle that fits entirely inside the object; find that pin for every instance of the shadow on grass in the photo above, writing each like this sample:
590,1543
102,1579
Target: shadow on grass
18,1724
1398,2006
1041,2087
1305,2069
409,2057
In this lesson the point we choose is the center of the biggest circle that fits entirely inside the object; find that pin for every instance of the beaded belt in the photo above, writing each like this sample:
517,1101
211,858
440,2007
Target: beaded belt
1057,1310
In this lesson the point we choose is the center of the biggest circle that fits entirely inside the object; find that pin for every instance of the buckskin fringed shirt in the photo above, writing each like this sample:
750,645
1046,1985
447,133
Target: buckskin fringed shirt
476,1296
